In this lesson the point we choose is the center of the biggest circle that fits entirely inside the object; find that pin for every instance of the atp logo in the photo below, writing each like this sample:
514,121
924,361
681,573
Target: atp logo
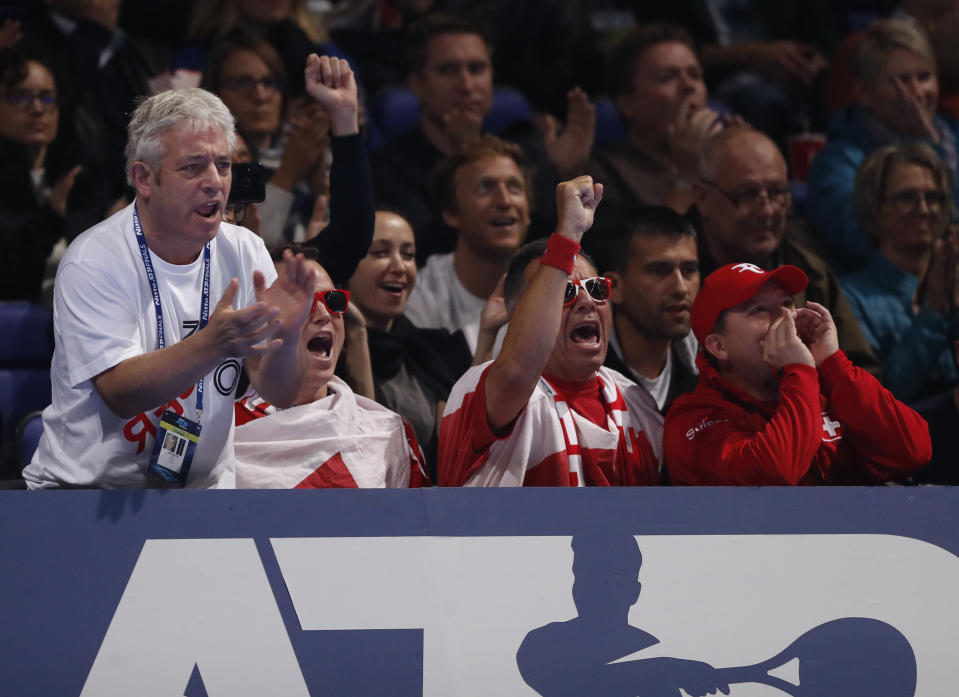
752,268
252,614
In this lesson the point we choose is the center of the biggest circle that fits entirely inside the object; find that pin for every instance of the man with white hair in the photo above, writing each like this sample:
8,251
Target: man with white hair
157,309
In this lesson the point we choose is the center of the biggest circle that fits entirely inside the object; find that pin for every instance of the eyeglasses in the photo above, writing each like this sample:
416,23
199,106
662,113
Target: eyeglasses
23,99
749,199
597,288
906,202
247,83
335,301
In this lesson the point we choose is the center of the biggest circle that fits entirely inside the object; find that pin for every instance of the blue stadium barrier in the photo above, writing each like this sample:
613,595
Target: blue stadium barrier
808,591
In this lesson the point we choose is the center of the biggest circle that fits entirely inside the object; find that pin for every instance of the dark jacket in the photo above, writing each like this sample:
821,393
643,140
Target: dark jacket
682,380
29,229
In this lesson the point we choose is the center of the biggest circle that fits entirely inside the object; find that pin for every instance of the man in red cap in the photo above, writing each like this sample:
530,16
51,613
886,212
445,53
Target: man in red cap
777,402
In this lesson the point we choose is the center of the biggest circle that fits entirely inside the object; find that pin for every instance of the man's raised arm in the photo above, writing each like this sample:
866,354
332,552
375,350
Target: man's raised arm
534,323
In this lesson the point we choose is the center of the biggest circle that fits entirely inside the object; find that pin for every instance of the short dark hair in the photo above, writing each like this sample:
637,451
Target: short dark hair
241,40
515,284
442,182
14,64
621,64
610,243
420,32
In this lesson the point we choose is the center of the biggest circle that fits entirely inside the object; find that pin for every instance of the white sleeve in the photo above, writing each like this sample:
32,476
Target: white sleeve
95,318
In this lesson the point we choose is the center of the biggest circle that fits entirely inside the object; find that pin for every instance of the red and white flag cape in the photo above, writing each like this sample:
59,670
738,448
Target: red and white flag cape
341,441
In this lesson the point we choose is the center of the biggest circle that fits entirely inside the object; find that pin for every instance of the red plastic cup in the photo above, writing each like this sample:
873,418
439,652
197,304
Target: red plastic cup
800,151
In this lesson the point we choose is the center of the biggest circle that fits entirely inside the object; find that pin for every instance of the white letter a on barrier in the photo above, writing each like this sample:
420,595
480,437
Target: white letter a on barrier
203,603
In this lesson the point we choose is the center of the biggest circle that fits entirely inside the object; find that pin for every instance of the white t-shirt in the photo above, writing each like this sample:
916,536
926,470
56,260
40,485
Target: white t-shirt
658,387
103,314
439,300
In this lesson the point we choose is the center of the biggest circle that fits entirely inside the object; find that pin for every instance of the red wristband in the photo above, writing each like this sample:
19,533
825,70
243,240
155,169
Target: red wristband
560,252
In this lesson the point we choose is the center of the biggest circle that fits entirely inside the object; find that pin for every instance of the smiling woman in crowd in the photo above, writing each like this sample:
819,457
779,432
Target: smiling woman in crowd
413,369
907,298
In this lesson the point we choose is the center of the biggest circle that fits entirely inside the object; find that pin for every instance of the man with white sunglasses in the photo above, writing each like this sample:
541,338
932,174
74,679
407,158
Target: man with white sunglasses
546,412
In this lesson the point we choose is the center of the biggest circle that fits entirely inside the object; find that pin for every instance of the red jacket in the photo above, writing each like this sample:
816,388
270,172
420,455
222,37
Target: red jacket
838,427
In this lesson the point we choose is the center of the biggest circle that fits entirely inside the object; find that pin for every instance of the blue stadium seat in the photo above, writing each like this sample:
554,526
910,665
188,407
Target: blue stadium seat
26,349
28,435
396,110
609,126
22,391
509,108
26,336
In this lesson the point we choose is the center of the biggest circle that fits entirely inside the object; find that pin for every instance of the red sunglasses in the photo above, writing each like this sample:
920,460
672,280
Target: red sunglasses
335,301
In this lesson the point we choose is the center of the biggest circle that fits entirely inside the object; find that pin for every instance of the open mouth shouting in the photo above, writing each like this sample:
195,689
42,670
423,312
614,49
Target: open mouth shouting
209,209
320,345
586,334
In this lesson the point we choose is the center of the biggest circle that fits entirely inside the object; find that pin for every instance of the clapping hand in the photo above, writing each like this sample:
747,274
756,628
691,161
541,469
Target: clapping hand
291,295
568,149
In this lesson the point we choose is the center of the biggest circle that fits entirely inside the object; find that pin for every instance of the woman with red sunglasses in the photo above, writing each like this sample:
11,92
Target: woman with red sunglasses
331,437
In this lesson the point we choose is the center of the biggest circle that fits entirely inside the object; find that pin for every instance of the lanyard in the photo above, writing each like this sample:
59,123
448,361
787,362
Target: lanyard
151,277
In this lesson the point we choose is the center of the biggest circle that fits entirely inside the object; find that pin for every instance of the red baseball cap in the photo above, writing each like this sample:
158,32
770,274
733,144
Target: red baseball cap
733,284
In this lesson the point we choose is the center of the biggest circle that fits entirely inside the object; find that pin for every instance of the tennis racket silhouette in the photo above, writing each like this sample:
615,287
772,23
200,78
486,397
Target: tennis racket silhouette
848,657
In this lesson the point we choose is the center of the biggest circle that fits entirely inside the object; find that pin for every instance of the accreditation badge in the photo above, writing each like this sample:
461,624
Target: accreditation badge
174,447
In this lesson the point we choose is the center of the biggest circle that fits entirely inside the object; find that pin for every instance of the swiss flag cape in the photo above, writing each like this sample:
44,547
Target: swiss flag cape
341,441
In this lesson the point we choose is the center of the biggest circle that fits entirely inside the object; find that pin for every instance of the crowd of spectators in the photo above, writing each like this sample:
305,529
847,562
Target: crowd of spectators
633,277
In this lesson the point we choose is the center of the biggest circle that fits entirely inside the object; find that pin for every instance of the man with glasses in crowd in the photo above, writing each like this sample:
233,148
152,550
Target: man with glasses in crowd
907,296
546,412
743,213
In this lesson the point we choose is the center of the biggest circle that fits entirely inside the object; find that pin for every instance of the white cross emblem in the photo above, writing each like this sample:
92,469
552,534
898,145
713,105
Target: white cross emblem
831,427
748,267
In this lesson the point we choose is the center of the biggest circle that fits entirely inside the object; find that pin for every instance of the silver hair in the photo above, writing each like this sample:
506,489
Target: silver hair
162,112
